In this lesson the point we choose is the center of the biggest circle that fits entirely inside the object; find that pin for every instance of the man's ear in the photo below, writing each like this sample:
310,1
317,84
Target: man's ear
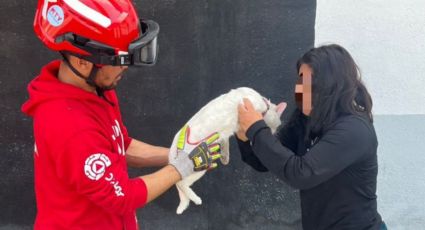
80,63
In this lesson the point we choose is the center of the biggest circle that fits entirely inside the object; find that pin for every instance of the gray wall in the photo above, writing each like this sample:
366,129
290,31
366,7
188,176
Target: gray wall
387,40
206,48
401,183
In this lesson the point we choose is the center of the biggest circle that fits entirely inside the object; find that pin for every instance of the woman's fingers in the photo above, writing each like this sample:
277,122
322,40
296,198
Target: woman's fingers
248,104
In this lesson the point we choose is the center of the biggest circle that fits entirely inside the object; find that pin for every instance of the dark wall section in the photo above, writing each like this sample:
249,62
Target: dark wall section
206,48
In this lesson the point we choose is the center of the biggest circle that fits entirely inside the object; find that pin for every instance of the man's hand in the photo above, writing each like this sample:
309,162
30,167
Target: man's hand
247,116
190,157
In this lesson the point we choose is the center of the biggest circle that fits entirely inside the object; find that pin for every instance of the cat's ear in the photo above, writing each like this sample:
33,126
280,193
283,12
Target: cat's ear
225,156
280,108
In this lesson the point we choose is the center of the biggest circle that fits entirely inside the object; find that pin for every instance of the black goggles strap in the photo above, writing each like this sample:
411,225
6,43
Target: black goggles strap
116,60
105,55
99,53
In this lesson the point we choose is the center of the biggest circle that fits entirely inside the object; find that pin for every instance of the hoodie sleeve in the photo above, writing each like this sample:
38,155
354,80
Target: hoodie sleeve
248,156
348,141
88,164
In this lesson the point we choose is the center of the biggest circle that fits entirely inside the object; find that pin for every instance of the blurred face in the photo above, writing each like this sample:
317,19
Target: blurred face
108,76
303,89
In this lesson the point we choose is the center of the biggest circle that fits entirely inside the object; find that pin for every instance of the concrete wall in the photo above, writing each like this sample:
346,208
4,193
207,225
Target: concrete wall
387,39
206,48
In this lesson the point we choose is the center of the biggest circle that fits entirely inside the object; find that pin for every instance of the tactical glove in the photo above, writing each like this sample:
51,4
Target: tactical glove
190,157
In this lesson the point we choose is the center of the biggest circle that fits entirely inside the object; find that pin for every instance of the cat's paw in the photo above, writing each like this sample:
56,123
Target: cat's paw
181,208
197,200
225,160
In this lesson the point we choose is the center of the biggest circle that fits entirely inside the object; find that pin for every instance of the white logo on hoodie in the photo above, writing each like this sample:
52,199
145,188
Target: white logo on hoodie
96,165
35,150
118,138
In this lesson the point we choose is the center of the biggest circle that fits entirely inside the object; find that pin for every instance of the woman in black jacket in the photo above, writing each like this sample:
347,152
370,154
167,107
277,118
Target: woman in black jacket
327,150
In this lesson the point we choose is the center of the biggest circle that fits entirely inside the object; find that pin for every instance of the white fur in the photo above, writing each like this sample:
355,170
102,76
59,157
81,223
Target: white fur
221,115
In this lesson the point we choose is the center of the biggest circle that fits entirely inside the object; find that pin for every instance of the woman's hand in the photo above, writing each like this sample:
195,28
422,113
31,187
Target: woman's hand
247,116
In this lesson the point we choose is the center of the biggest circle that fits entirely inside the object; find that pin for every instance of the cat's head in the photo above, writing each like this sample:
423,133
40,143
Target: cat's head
272,114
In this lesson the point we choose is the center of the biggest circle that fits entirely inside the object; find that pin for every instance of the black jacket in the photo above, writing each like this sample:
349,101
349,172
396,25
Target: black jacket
336,174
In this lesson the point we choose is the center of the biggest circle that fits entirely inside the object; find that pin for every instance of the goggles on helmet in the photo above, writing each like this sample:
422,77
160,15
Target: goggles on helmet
141,52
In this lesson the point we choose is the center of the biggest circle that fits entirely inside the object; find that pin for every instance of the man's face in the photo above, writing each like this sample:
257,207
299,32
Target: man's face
108,76
303,89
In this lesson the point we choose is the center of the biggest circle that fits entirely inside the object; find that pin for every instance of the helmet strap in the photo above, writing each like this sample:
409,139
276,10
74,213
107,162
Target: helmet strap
90,79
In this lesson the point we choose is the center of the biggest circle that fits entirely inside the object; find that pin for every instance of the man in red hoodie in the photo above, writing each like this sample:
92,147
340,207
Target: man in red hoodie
82,147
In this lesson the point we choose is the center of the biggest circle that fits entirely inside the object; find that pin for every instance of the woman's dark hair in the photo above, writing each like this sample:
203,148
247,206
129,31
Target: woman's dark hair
337,88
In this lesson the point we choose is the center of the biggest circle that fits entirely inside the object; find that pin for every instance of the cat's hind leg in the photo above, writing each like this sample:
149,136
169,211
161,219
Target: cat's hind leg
184,200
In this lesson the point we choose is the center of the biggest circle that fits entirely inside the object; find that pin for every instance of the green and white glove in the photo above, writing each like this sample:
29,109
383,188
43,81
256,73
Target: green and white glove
189,157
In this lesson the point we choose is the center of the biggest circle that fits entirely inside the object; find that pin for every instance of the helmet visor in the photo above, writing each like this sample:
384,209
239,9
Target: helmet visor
144,51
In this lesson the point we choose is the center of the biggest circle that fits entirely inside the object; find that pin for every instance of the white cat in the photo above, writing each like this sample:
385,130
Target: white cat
221,115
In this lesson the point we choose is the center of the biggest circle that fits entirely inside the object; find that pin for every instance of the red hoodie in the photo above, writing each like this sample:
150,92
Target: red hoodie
81,179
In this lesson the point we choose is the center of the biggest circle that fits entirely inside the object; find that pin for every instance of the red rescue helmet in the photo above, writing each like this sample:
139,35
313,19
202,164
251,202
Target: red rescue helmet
106,32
